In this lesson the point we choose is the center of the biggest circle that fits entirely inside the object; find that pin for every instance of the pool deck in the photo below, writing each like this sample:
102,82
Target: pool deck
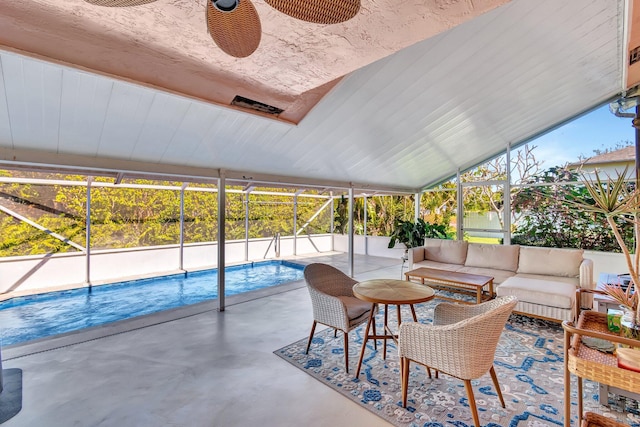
191,366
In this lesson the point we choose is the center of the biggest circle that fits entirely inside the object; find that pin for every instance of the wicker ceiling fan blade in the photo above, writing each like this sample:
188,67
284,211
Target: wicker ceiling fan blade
119,3
237,33
318,11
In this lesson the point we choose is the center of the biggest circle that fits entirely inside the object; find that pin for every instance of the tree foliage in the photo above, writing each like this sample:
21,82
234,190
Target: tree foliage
382,214
618,146
547,220
412,234
124,217
490,198
438,207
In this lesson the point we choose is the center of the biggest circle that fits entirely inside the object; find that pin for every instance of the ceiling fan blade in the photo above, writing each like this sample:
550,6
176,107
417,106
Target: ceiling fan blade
119,3
237,33
318,11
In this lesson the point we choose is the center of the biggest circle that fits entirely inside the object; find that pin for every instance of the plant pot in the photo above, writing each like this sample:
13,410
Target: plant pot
629,358
628,314
630,329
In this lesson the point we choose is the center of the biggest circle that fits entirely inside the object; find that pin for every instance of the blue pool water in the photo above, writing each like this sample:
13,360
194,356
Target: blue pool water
26,318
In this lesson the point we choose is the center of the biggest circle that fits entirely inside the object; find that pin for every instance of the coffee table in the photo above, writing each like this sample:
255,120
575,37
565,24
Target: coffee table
388,292
454,281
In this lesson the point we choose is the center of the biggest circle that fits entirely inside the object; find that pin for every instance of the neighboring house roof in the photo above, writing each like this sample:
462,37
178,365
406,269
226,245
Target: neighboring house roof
624,155
609,164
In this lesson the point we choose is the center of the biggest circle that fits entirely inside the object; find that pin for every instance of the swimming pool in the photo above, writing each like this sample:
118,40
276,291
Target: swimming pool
27,318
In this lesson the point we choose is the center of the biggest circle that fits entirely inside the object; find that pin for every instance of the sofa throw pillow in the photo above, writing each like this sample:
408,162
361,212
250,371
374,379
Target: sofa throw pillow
447,251
550,261
501,257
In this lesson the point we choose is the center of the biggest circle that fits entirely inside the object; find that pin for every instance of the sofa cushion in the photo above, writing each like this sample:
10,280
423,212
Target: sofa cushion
447,251
438,265
499,276
550,261
543,292
501,257
573,280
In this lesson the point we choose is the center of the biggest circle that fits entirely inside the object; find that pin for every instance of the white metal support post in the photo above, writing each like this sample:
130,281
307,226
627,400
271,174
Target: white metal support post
366,241
333,213
417,205
221,238
460,207
246,227
247,212
506,212
295,222
351,232
184,185
88,234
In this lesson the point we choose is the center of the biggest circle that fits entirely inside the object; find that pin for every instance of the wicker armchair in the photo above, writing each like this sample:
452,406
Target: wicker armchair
333,302
461,342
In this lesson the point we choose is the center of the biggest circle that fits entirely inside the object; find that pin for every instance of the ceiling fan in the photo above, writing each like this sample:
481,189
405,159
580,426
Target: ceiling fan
234,25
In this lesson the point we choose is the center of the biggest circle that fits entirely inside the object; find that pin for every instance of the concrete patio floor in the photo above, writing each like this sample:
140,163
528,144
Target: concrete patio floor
197,367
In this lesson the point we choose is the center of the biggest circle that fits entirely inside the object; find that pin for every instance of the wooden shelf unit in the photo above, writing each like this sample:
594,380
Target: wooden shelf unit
591,364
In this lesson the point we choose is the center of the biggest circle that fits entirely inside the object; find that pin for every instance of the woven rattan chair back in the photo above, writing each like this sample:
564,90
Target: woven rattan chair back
328,279
461,342
327,285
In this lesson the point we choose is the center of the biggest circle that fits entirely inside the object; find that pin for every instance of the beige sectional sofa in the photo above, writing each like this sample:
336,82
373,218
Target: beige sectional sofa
545,280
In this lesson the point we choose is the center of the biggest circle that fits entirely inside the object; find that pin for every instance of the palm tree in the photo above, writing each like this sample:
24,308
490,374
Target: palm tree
617,200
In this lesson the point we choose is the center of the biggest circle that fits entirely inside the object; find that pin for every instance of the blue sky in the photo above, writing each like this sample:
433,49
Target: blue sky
599,129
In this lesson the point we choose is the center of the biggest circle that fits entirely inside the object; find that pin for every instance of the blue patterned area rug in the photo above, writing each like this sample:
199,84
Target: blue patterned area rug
528,362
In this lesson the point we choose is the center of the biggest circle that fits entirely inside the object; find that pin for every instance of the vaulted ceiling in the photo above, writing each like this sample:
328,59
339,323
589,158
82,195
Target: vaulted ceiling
397,98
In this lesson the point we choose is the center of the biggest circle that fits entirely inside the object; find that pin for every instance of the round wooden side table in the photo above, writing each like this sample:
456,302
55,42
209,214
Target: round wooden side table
388,292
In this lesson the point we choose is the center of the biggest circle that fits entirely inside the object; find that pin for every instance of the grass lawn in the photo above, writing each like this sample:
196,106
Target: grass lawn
491,240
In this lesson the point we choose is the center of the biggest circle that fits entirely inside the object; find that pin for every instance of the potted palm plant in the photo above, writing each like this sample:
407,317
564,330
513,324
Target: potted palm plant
619,203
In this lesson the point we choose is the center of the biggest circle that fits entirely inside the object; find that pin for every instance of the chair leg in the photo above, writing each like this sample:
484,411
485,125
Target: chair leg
472,402
335,333
313,329
404,379
494,377
346,351
365,338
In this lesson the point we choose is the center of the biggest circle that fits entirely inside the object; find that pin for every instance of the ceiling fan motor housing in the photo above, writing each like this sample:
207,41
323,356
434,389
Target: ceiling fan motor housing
225,5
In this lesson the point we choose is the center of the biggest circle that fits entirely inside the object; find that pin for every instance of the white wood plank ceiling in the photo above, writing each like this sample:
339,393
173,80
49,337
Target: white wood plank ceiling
404,122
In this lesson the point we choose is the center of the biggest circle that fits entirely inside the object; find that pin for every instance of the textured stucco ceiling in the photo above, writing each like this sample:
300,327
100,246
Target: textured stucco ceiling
165,44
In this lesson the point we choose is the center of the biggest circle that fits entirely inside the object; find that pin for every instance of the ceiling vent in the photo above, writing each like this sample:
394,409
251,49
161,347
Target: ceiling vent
250,104
634,56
